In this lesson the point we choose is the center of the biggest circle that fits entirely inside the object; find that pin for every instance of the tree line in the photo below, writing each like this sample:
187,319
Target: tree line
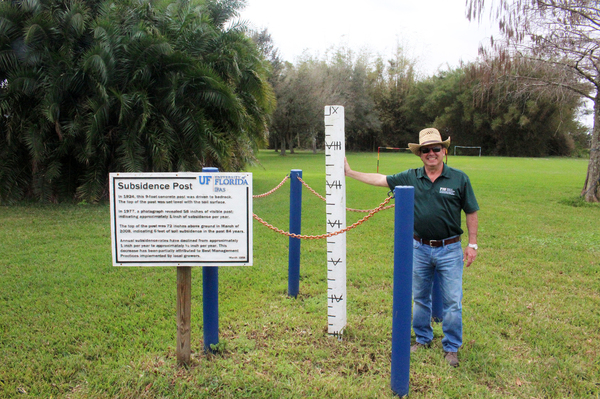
388,102
89,87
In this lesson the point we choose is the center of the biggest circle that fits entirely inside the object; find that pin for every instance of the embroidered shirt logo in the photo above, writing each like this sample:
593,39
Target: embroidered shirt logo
447,191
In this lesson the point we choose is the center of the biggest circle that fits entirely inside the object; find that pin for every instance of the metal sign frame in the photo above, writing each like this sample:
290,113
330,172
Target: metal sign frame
181,219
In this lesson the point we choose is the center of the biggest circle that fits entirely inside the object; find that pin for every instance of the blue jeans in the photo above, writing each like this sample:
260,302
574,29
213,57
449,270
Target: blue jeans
448,261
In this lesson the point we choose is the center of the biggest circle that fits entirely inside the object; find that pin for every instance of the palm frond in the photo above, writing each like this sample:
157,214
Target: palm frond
95,65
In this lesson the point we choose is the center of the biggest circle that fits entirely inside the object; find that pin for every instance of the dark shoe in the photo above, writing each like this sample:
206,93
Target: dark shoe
416,346
451,358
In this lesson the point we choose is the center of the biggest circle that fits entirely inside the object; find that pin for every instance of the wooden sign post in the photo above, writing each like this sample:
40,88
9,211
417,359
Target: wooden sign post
184,314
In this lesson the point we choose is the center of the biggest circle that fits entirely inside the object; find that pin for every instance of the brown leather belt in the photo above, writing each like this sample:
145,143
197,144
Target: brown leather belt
437,243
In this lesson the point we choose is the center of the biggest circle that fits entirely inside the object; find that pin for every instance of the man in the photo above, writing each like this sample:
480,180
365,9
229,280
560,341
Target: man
441,193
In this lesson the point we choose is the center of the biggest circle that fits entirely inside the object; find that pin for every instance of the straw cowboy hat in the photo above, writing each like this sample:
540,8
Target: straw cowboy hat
428,136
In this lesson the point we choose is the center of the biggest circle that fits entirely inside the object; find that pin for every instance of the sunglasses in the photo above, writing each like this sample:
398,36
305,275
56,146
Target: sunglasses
434,149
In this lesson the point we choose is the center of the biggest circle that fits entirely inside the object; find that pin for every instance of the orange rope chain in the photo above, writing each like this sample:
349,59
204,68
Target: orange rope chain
273,190
335,233
311,189
371,212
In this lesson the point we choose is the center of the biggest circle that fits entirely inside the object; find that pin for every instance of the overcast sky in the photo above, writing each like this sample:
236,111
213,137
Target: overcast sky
434,32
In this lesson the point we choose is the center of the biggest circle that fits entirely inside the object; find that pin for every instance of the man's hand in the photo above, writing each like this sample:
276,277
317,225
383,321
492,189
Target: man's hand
472,226
470,255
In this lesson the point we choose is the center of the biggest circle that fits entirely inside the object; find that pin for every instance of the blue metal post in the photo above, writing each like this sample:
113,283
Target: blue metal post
210,297
295,227
402,302
437,307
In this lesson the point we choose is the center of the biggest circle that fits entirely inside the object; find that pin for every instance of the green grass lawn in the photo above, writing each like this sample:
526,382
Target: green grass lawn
74,326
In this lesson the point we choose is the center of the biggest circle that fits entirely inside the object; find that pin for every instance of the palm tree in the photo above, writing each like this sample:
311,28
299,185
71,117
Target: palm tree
136,86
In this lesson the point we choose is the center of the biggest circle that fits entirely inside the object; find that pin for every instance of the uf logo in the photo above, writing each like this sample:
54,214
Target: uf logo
204,179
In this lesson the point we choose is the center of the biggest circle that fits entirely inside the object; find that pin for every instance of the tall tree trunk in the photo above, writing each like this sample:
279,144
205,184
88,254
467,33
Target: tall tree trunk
283,145
290,139
591,190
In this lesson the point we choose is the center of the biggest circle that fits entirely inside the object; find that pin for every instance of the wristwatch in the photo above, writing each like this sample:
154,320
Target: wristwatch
474,246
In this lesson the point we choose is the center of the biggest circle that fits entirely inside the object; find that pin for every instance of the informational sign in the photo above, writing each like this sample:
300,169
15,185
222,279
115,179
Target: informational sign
335,194
181,219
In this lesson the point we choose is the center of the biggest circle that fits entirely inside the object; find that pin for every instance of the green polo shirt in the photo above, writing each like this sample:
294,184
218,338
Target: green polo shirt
438,204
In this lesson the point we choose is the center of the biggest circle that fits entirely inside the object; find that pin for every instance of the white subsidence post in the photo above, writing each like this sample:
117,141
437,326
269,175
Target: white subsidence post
335,193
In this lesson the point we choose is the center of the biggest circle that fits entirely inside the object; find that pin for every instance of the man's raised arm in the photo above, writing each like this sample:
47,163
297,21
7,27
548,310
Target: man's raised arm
374,179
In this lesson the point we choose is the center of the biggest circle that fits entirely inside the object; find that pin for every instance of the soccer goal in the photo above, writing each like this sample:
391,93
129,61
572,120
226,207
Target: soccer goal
467,150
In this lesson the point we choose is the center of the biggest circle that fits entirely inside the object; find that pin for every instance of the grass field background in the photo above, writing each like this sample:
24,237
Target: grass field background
73,326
